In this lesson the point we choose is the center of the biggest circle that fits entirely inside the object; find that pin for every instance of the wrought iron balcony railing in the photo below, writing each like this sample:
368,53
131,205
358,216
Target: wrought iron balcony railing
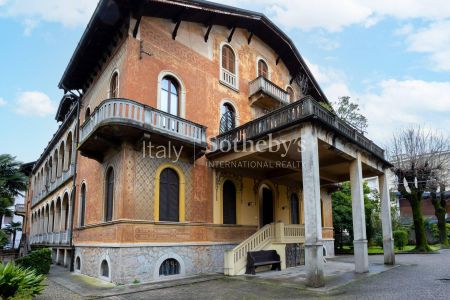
289,115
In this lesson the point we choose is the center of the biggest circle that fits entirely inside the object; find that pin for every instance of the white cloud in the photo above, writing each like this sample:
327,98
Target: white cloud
396,104
433,40
2,101
333,15
34,103
70,13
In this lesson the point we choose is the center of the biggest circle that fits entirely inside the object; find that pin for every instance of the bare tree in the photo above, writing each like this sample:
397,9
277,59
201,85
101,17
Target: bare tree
418,156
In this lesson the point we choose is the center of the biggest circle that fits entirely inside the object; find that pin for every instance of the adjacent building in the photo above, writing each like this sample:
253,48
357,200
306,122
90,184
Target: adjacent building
191,133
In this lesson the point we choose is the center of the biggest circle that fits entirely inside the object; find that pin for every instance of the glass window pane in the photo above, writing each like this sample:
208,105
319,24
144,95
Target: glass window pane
174,104
164,101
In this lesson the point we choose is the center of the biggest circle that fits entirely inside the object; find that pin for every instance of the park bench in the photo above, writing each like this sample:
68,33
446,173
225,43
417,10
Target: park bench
262,258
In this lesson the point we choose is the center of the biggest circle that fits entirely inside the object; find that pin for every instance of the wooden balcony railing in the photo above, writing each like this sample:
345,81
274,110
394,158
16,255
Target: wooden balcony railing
128,112
289,115
268,87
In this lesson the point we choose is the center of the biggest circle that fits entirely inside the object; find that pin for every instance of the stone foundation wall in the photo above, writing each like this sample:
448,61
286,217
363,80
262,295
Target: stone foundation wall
127,264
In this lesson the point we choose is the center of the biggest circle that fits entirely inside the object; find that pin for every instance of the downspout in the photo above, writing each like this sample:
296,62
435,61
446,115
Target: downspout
70,236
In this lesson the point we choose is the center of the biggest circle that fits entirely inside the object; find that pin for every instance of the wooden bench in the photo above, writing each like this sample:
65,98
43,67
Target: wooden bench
262,258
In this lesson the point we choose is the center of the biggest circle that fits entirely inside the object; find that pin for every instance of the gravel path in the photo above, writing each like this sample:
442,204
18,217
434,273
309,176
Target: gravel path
55,291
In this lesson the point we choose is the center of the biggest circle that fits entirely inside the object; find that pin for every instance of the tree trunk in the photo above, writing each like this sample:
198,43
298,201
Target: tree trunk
14,240
419,228
440,210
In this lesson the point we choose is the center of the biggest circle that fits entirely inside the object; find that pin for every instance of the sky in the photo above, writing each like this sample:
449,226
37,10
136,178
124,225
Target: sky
392,57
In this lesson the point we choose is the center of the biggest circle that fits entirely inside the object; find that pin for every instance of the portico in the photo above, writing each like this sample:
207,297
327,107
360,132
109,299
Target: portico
314,156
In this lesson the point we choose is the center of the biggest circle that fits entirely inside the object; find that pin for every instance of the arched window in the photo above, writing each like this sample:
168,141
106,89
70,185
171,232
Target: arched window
69,150
229,202
78,264
109,188
291,94
169,267
263,69
104,269
228,59
87,114
228,117
294,209
82,204
114,85
170,90
169,202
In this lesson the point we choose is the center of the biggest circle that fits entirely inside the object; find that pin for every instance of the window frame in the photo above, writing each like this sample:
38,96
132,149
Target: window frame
114,75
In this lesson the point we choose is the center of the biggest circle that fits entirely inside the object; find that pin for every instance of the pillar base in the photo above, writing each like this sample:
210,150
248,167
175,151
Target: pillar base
314,265
361,256
388,250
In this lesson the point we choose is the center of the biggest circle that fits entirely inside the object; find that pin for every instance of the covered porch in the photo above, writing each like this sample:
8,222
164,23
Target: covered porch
305,148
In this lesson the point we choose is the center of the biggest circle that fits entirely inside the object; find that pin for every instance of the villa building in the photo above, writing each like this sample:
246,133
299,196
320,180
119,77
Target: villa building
191,133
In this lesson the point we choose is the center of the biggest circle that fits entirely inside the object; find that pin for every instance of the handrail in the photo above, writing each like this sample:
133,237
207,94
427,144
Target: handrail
289,115
261,83
236,258
126,110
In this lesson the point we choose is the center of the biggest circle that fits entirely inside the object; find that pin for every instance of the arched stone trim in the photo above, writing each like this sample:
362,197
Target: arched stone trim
275,196
79,267
269,69
182,95
234,105
108,261
83,182
115,71
236,61
182,191
293,90
172,255
239,185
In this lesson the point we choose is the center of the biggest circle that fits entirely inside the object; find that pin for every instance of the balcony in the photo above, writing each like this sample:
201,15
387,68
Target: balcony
290,115
53,185
266,94
117,120
19,210
229,79
51,238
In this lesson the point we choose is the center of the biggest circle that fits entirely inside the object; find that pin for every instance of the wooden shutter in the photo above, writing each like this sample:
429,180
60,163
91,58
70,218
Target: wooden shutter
109,194
229,203
228,59
83,204
294,209
263,70
169,201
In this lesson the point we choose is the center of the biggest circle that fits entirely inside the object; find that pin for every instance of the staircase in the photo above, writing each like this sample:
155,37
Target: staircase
272,236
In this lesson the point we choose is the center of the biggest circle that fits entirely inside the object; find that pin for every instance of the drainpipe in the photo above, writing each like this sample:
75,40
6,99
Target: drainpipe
72,200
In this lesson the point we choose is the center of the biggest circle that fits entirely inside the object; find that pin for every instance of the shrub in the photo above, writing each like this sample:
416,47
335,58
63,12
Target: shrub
378,240
19,283
400,238
38,260
3,239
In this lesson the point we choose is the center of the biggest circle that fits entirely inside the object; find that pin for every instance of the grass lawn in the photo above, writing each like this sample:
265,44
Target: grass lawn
379,250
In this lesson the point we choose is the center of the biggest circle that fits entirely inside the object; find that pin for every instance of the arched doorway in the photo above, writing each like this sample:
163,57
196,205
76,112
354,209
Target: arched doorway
266,206
229,203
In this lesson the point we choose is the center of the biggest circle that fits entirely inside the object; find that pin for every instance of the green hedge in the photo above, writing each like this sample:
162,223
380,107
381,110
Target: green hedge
400,238
38,260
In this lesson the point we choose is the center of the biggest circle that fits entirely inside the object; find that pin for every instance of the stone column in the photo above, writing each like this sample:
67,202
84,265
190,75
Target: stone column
386,223
311,200
359,217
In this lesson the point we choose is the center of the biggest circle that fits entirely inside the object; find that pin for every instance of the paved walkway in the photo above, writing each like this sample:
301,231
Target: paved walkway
416,277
